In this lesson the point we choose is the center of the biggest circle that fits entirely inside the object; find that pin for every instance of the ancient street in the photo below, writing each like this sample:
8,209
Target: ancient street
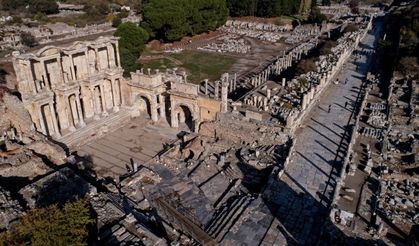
308,182
270,123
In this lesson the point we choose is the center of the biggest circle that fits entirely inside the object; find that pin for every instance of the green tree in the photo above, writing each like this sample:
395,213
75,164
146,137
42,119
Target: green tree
305,66
242,7
316,16
28,39
13,4
266,8
173,19
43,6
131,44
263,8
132,37
326,2
166,19
354,6
128,61
97,8
51,226
116,21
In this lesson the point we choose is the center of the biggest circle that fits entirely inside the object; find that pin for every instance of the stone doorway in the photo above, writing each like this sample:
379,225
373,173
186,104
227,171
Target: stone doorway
144,106
184,117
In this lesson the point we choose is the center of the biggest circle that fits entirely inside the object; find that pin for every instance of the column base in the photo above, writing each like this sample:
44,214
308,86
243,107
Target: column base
82,124
96,117
72,129
115,109
104,114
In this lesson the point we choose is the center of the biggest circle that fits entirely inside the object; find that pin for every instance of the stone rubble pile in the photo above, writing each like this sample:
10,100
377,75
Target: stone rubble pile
10,210
376,117
258,26
303,32
336,11
259,157
261,31
50,32
399,200
372,133
229,44
296,95
261,35
281,64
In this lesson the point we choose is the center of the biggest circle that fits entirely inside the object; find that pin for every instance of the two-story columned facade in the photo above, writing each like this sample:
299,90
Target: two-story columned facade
65,88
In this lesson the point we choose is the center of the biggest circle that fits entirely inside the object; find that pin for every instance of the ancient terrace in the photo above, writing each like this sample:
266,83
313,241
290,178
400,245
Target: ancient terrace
76,92
244,175
70,92
62,88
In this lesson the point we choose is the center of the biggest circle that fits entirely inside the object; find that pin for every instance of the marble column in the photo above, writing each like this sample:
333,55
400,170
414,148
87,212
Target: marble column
69,111
174,119
120,98
97,60
54,120
108,52
224,94
102,97
206,86
29,76
95,105
162,107
73,73
117,54
80,111
42,121
114,95
217,85
153,109
86,55
60,68
44,73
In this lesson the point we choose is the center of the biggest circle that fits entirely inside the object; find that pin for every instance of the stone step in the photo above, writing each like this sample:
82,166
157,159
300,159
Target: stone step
233,219
229,216
82,135
231,191
221,212
233,174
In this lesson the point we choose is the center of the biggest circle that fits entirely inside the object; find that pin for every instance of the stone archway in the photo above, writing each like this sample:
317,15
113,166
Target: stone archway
46,118
143,105
183,115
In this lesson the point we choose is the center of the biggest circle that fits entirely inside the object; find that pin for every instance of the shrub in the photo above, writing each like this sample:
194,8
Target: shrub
51,226
131,44
43,6
173,19
28,39
116,21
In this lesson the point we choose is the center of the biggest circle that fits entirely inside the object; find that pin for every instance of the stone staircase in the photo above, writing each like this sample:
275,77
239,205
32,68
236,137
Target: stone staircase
233,173
96,129
224,219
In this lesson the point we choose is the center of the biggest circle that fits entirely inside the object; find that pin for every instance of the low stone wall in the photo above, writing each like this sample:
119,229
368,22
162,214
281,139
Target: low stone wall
289,157
311,98
353,137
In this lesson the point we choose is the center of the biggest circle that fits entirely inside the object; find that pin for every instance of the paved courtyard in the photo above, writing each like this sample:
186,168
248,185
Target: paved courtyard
140,140
306,188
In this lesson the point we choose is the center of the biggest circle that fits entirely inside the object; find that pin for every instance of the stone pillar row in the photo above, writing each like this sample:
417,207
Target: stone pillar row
74,113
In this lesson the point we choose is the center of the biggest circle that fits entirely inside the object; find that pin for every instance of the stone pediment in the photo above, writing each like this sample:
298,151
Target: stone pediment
77,45
47,51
